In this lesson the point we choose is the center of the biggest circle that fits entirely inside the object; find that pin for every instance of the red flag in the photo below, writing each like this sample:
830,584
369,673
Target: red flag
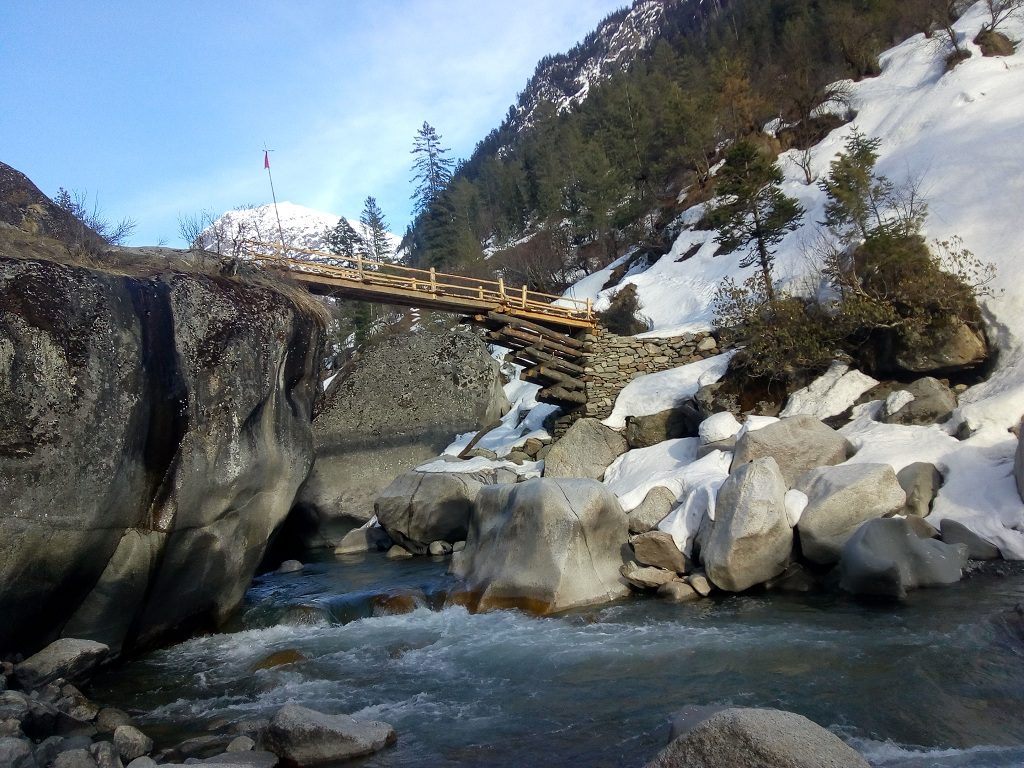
266,159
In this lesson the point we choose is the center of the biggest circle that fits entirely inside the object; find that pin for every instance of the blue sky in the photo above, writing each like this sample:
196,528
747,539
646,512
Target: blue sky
161,109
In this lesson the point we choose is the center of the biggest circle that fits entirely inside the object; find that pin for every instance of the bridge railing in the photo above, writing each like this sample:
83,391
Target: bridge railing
395,276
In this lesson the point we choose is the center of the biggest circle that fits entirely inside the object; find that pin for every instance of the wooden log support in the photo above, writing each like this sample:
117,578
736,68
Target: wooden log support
538,356
544,373
543,344
561,395
565,340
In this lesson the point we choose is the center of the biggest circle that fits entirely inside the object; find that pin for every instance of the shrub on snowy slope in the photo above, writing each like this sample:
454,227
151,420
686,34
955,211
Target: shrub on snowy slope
896,304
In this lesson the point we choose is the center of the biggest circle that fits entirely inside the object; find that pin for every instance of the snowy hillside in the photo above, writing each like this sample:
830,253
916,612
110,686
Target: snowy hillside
960,134
302,227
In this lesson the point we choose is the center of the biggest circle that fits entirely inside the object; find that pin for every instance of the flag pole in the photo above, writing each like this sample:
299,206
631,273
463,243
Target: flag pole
273,195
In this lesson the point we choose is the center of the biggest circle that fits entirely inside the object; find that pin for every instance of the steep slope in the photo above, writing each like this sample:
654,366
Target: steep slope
958,133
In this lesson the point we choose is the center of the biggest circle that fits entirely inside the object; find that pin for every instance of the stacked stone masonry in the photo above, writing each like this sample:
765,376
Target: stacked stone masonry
612,361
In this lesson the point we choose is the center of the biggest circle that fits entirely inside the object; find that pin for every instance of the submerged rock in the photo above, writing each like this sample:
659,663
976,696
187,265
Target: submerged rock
544,545
305,737
887,557
754,738
751,539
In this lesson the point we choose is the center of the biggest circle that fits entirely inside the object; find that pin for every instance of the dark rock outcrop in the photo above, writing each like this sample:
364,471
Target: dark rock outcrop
405,400
154,427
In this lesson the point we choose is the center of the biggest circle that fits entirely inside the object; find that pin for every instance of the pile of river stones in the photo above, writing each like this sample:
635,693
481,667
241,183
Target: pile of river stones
46,722
794,513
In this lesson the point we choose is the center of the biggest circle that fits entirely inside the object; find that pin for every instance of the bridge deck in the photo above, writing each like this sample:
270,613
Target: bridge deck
360,278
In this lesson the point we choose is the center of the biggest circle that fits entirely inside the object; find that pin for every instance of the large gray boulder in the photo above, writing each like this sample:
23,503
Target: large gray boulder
797,444
545,545
420,507
586,450
888,557
404,399
304,737
754,738
751,538
839,500
156,424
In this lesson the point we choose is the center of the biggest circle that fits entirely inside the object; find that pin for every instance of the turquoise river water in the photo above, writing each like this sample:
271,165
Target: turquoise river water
937,680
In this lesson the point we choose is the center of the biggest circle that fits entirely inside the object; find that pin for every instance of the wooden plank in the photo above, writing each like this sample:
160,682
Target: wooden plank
555,336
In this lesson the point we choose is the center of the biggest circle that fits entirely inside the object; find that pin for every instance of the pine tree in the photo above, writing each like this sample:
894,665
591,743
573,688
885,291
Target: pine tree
432,166
344,240
856,196
375,231
756,213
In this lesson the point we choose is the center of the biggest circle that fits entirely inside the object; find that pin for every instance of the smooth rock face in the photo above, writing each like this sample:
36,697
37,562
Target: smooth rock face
586,450
67,658
306,737
797,444
164,426
652,510
658,548
887,557
932,402
421,507
406,398
756,738
545,545
840,499
750,539
977,547
921,482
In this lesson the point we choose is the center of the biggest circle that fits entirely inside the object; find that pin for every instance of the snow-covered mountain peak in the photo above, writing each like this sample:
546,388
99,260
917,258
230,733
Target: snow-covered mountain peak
302,227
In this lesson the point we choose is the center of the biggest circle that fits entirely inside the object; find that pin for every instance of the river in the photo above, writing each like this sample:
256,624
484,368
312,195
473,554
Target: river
937,680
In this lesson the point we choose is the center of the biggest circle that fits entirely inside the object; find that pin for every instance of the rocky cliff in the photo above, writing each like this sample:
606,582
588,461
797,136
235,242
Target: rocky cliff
154,427
404,401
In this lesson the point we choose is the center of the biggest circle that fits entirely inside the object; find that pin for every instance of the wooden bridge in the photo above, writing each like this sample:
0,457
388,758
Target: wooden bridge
538,327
